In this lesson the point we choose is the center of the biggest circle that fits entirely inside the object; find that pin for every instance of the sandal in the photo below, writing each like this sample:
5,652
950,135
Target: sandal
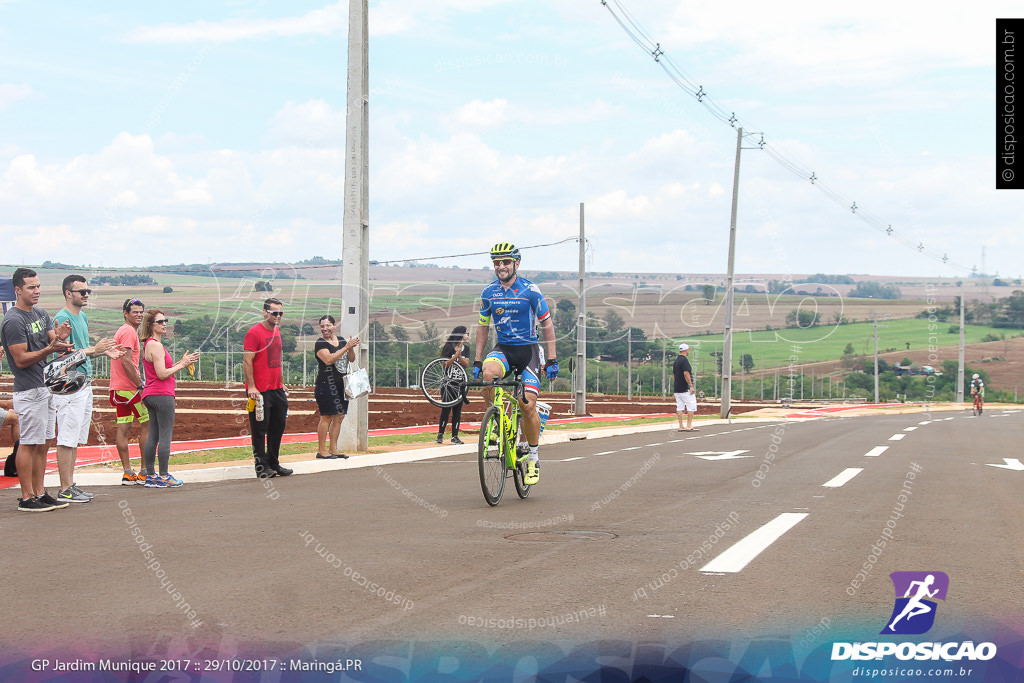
341,456
322,456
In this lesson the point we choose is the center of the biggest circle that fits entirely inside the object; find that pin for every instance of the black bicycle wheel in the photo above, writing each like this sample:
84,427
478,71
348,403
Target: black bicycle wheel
522,489
490,458
442,386
519,474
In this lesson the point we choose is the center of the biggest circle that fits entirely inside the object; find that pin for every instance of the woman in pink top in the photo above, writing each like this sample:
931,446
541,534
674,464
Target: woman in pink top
158,396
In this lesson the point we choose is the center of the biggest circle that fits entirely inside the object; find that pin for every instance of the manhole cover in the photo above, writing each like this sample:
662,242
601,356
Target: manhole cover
565,535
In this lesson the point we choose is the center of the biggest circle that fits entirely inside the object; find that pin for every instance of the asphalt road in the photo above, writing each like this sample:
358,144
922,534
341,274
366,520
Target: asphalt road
740,532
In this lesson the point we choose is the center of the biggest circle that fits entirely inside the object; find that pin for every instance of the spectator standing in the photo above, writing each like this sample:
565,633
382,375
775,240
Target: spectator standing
684,388
456,352
126,386
158,396
261,363
29,337
9,420
332,359
74,411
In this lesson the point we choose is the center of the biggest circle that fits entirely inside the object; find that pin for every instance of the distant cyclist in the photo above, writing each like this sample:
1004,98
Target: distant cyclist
978,392
516,306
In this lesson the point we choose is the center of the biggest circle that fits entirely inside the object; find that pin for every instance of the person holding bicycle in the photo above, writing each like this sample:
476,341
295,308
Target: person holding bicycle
517,307
978,391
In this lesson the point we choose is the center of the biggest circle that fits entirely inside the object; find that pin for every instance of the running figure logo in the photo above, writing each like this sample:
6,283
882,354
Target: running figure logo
914,611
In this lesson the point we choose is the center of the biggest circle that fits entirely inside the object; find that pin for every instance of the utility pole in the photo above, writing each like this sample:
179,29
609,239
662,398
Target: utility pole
227,357
664,358
629,364
960,356
580,405
727,341
355,274
876,354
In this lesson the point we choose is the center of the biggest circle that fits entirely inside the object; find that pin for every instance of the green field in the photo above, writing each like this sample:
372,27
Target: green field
826,342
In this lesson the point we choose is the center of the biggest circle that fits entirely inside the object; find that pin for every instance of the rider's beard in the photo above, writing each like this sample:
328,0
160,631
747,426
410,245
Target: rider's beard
511,275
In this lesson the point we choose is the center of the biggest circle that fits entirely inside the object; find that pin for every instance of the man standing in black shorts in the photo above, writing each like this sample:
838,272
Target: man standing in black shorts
29,338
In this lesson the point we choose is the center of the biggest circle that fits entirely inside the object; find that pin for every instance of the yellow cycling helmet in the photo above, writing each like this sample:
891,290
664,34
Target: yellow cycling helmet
505,250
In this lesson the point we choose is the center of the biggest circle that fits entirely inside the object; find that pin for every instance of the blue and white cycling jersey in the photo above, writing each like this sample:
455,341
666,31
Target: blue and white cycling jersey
516,311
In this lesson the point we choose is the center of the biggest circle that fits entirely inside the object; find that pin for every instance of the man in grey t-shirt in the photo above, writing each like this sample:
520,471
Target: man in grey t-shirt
29,338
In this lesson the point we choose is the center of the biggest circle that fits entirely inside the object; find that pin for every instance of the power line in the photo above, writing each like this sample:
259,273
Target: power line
474,253
241,267
639,36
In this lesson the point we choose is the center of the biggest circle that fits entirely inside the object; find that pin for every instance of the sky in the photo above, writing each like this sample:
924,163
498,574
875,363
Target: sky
136,134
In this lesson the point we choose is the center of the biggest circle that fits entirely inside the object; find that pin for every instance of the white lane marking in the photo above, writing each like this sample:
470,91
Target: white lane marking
606,453
721,455
909,429
661,616
633,448
676,440
578,457
740,554
896,437
1011,464
843,477
655,444
876,451
925,422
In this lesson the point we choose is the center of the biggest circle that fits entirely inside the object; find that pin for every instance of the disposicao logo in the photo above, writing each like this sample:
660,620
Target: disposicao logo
916,592
913,614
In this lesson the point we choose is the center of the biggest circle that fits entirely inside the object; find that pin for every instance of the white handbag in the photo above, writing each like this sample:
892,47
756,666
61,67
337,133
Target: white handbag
357,382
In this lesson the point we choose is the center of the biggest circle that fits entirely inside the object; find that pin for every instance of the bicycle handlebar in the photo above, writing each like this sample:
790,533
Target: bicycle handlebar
516,382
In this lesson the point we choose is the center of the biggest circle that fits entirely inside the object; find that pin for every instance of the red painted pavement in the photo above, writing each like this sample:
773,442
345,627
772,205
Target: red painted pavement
94,455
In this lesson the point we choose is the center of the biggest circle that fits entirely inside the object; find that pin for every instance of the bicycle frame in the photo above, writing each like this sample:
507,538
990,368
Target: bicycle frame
508,405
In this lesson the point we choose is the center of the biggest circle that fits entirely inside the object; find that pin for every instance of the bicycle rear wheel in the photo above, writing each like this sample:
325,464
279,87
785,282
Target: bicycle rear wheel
440,385
490,458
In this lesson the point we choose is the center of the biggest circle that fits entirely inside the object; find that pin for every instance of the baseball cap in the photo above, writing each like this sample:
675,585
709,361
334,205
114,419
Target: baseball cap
684,347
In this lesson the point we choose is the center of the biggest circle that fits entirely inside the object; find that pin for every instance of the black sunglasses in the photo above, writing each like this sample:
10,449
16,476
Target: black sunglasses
162,321
276,314
80,291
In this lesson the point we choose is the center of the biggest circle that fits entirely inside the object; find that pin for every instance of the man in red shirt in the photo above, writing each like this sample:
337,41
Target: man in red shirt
126,385
261,362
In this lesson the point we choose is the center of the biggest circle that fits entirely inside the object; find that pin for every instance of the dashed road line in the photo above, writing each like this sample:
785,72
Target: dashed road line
876,451
843,477
896,437
740,554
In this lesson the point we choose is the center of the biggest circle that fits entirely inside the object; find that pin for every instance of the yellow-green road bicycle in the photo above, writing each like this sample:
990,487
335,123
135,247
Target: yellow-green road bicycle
501,452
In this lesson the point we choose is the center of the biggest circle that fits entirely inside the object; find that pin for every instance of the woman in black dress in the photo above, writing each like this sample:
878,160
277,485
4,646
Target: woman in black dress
455,351
332,359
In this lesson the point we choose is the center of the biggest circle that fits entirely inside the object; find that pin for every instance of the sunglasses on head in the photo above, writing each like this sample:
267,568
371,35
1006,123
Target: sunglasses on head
128,303
504,262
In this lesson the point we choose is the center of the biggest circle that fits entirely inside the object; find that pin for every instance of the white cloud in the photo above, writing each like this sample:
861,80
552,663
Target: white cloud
477,114
11,93
329,20
314,123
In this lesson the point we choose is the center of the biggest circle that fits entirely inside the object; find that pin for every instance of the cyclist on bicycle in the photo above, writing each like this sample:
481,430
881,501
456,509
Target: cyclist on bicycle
516,305
978,390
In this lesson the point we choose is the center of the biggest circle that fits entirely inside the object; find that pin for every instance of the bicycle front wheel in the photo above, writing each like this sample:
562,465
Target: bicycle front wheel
519,474
442,386
490,458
